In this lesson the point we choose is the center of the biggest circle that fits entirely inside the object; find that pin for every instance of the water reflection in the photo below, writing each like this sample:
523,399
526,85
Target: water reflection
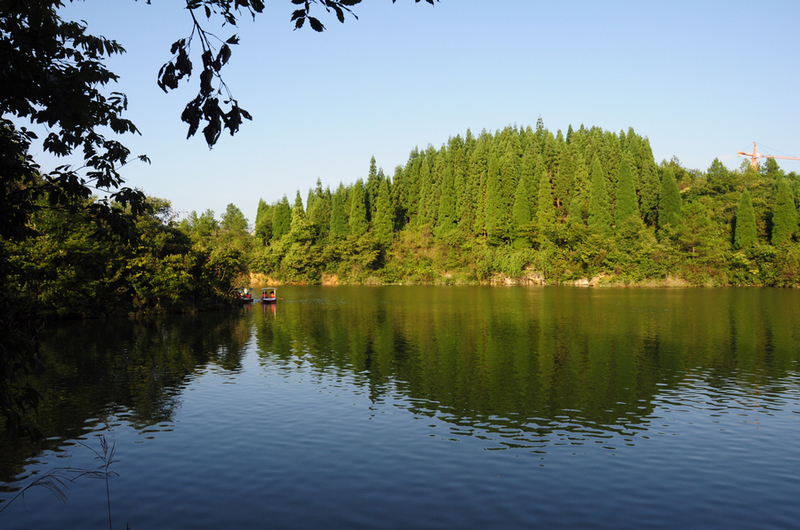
337,407
523,368
104,372
532,367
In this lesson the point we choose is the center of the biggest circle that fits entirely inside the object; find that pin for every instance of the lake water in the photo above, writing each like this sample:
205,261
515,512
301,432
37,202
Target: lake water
428,407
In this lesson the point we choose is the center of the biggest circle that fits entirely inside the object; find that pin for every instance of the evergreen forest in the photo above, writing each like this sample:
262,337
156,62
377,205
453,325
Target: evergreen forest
524,205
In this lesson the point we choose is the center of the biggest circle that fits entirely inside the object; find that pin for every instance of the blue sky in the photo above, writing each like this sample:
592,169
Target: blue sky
700,79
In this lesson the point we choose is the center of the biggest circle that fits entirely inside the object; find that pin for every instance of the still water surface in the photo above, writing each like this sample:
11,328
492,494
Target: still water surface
429,407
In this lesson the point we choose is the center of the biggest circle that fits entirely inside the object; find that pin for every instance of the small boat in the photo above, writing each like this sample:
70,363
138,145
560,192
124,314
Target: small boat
269,295
244,296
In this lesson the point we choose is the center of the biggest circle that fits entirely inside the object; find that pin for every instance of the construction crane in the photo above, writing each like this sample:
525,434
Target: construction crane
754,156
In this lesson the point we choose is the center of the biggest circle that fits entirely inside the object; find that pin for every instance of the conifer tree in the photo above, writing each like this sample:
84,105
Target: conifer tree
468,200
527,172
633,147
599,203
613,158
358,210
457,163
575,213
784,214
581,181
563,180
496,210
521,212
302,230
745,235
263,226
545,212
695,232
281,218
310,199
626,207
509,165
476,185
441,171
298,214
424,213
447,202
397,194
669,201
460,191
297,209
371,189
410,186
338,217
319,209
383,222
650,184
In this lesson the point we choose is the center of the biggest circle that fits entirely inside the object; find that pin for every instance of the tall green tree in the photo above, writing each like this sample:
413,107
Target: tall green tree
319,210
599,202
772,170
718,178
575,227
425,212
545,211
563,179
626,207
202,228
263,225
521,212
383,222
234,231
650,184
338,228
669,202
298,213
233,220
371,189
281,218
784,214
745,235
476,184
447,217
358,210
496,226
696,233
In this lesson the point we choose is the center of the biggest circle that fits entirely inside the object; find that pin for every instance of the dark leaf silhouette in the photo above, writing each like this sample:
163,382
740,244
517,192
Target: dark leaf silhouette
217,53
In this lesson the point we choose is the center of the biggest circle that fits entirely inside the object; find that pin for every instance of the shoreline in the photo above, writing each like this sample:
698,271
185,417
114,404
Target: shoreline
531,279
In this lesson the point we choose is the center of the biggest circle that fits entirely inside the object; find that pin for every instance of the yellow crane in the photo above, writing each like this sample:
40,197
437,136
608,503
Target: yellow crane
755,155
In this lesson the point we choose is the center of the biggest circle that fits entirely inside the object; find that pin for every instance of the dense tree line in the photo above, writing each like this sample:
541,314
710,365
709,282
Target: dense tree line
524,203
76,266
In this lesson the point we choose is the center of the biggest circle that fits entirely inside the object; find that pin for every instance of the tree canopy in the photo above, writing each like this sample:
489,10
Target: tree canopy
522,202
